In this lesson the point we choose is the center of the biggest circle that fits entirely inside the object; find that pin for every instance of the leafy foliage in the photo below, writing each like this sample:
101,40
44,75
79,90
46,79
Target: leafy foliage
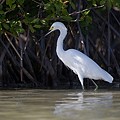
16,15
57,9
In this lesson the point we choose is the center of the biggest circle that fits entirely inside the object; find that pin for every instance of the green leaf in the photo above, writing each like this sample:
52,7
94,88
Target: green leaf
13,6
85,21
102,2
88,19
58,7
31,28
36,20
86,12
117,2
65,12
26,21
1,12
20,30
10,2
67,18
37,26
109,4
94,2
6,26
72,4
20,1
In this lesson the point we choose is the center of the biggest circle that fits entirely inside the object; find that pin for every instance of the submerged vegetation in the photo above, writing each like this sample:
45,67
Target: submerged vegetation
27,59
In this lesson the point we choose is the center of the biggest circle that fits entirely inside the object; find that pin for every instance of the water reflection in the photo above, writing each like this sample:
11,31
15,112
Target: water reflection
59,105
86,105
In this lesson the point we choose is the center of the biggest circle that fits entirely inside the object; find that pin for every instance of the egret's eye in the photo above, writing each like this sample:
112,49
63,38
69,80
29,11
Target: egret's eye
51,28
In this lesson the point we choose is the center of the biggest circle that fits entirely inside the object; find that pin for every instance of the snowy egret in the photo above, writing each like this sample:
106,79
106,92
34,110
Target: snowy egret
81,64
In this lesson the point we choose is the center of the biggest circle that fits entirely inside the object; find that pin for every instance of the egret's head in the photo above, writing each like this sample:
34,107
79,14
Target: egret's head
57,26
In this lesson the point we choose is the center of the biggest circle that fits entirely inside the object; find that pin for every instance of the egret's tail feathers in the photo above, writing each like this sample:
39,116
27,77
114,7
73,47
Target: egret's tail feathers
107,77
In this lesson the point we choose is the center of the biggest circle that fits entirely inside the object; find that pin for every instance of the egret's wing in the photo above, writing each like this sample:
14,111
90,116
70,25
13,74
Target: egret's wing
85,65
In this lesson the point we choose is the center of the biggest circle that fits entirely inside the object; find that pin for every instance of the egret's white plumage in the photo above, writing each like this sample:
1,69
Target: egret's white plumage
81,64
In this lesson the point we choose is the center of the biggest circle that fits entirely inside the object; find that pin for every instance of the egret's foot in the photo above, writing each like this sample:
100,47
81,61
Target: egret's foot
83,90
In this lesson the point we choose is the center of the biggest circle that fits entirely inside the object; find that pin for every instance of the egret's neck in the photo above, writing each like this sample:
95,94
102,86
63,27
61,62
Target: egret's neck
61,37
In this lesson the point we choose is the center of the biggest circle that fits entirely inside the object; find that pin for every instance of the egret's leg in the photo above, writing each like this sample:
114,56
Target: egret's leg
95,85
81,81
83,87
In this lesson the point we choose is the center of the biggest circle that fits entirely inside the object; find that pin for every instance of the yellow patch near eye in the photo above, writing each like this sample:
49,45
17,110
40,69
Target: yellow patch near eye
51,28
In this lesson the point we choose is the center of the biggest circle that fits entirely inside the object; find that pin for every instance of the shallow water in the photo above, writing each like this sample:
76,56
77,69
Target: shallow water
59,105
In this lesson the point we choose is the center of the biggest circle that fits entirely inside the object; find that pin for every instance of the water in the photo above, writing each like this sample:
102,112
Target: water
59,105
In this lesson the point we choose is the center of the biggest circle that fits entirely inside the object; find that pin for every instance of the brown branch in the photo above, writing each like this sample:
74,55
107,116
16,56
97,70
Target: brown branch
111,27
78,12
2,1
101,56
13,46
21,60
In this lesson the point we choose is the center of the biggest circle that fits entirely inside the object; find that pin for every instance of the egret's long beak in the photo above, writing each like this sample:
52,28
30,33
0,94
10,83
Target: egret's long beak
51,30
48,33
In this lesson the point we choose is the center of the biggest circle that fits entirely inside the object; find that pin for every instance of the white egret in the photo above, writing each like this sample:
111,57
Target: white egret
81,64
